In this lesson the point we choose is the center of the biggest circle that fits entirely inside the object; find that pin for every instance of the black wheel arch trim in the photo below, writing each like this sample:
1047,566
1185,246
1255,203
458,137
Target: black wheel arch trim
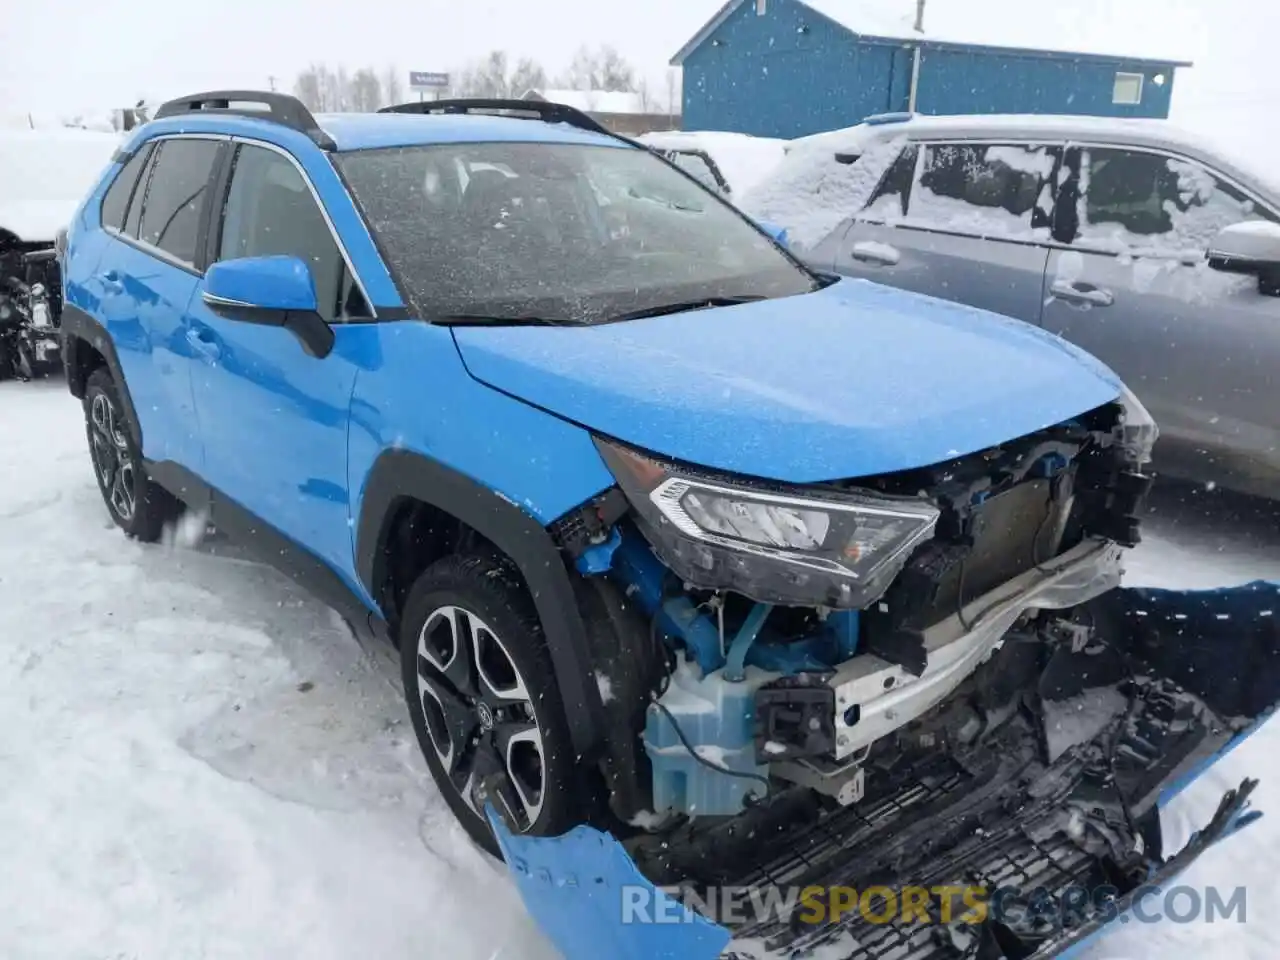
398,475
79,327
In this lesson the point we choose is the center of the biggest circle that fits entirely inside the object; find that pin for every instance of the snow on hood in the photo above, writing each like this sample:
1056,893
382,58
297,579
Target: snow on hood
854,380
811,193
45,174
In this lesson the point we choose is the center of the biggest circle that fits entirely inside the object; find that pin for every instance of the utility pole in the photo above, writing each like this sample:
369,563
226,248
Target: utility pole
272,82
920,16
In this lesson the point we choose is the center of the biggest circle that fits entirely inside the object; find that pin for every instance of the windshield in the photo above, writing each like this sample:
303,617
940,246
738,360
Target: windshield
560,232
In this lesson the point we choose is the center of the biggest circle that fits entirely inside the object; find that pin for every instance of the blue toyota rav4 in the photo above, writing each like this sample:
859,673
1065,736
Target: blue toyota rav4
707,572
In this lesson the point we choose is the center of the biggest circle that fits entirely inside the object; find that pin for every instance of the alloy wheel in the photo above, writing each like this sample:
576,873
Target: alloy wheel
112,458
480,716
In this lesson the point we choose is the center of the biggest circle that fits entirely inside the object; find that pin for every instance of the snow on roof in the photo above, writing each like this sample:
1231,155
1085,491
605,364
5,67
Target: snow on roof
810,186
45,174
1014,125
868,18
1051,30
595,101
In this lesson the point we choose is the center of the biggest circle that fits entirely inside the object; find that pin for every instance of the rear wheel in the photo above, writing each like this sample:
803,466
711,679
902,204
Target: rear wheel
483,699
139,507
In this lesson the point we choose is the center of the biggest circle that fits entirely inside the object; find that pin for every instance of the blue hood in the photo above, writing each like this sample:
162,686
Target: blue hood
854,380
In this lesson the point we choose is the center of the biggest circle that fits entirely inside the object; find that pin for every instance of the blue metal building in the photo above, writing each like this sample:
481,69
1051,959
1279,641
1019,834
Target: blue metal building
787,68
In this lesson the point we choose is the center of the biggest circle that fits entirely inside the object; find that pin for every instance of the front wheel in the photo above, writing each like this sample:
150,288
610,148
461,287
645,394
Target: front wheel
483,699
139,507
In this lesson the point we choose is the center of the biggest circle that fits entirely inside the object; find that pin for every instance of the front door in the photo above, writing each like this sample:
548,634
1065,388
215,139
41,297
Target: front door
1199,347
274,419
968,222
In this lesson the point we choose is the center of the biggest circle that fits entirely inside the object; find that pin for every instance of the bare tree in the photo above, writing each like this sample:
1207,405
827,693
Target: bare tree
600,69
675,96
366,91
493,76
309,89
392,85
528,75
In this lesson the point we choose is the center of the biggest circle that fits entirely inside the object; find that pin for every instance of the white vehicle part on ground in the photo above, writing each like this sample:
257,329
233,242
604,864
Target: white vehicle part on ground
887,696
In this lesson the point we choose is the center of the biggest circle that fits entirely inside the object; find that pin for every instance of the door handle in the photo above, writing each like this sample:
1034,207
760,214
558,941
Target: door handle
1075,291
111,281
203,343
869,251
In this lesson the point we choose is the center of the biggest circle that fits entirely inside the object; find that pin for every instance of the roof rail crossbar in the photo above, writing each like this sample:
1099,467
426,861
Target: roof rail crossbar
524,109
281,108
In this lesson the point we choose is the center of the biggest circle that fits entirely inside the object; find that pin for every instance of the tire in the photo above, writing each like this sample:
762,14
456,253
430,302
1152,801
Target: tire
139,507
455,703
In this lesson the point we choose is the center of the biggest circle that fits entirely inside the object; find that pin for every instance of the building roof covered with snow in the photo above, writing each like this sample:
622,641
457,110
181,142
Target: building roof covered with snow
787,68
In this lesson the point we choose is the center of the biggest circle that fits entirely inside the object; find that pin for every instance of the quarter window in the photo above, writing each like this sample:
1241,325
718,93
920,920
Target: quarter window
116,203
270,211
176,196
891,196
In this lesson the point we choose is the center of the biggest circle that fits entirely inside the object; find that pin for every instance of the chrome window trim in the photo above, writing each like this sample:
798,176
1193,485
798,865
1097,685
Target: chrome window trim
333,232
170,259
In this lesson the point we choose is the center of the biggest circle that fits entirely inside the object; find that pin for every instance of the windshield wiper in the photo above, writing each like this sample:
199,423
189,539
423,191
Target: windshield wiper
481,320
702,303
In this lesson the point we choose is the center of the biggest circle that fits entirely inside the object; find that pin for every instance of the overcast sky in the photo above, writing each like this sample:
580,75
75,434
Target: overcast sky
78,55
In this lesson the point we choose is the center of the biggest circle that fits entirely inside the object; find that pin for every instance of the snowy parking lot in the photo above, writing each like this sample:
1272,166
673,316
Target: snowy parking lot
198,760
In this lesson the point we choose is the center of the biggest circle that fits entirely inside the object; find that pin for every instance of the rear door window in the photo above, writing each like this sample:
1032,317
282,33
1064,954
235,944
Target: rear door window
115,204
176,195
999,190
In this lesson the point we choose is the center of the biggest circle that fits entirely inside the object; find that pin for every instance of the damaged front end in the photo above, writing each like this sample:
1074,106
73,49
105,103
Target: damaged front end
1030,798
925,680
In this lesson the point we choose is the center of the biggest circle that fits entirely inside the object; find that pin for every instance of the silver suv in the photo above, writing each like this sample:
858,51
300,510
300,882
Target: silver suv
1130,238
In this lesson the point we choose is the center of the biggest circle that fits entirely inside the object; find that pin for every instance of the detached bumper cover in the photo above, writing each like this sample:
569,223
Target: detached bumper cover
591,900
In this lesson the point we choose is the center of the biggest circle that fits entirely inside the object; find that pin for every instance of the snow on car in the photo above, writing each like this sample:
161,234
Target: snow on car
1154,248
43,176
730,163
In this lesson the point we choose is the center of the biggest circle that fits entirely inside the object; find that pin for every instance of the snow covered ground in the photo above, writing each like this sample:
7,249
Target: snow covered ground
198,760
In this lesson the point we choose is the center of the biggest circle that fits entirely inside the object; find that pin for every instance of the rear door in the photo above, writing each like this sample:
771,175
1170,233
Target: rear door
1200,348
965,221
147,277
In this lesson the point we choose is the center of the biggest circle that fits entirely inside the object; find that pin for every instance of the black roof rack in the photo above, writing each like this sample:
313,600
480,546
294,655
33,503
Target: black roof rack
279,108
523,109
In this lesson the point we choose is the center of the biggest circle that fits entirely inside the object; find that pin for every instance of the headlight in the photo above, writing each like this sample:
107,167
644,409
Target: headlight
804,548
1138,431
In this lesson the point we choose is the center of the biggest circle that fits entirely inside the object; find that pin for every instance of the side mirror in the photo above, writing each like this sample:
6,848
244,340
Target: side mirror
1252,248
777,233
271,292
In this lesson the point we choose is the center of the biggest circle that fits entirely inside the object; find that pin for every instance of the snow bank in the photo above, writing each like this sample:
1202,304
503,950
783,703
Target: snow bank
45,174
